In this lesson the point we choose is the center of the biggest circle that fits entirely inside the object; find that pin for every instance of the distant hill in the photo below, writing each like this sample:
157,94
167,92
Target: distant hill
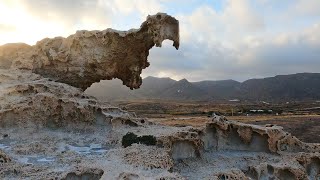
301,86
224,89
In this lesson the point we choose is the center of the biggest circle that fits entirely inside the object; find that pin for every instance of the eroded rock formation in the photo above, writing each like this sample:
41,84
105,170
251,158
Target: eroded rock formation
49,129
222,149
39,83
232,135
90,56
28,98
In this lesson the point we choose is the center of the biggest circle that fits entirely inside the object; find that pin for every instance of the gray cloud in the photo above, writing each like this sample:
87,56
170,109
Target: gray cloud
70,12
244,39
224,45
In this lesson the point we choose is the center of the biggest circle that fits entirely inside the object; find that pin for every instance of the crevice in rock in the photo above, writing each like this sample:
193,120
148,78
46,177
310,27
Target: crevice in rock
86,175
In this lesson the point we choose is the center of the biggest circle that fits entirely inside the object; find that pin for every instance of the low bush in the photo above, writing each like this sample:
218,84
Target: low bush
131,138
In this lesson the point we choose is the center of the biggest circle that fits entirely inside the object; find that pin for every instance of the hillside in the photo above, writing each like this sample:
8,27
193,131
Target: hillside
301,86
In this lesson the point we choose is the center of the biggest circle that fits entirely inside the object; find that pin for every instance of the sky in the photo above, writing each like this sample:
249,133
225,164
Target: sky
219,39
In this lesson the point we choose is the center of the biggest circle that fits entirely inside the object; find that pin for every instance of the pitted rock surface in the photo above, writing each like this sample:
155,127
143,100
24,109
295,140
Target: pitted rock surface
90,56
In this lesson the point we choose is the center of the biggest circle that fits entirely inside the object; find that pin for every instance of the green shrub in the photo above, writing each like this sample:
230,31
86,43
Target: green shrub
129,139
148,140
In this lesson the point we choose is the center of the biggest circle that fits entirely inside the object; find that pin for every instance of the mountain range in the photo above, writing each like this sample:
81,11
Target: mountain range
300,86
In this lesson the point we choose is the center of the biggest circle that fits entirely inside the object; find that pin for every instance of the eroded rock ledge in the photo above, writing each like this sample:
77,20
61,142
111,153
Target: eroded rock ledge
90,56
39,85
249,152
29,99
222,134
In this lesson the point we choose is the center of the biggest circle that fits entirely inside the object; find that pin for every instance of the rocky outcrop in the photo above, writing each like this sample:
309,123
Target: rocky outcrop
183,144
39,84
222,149
226,149
250,152
148,157
29,99
90,56
221,134
46,118
52,130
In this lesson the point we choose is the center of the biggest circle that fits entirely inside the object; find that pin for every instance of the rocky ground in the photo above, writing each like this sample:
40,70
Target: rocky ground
93,152
221,150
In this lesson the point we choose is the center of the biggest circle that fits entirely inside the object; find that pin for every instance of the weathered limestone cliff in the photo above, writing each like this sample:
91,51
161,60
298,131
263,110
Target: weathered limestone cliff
90,56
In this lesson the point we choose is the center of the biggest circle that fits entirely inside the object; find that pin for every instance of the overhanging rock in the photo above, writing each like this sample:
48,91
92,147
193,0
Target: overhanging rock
90,56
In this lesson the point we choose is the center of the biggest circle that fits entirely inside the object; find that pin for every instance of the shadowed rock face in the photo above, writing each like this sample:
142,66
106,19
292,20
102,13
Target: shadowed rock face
90,56
84,174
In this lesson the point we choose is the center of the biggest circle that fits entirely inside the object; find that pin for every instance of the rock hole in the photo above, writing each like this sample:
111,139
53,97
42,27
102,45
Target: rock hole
270,169
222,177
101,119
130,123
286,174
252,173
313,169
93,66
209,138
84,176
259,143
183,149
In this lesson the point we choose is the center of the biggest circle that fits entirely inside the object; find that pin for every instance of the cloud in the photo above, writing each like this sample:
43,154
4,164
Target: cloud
238,39
6,27
50,18
71,13
143,7
312,34
243,15
34,19
239,42
310,7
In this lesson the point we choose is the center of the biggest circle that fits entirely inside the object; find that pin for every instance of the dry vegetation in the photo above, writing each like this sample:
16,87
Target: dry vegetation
296,118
